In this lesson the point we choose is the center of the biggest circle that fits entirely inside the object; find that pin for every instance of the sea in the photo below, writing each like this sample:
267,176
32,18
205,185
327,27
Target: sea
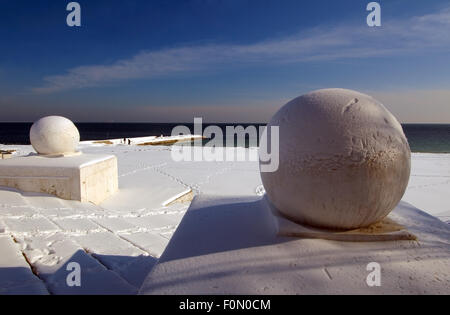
431,138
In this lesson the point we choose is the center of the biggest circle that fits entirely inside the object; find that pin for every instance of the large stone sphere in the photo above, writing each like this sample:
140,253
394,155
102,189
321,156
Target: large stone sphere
344,161
54,135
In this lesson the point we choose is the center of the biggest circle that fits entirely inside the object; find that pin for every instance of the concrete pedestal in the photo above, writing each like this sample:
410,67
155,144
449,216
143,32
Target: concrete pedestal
232,246
85,177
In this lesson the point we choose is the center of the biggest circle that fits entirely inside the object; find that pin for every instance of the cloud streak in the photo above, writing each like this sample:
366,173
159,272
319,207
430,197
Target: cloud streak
412,35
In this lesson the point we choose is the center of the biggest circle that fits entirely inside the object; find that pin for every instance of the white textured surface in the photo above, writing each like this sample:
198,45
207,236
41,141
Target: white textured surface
140,220
344,160
15,274
74,162
53,135
118,242
242,255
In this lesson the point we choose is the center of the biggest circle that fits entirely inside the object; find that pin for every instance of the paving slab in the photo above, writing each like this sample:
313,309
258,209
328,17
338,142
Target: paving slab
50,256
16,276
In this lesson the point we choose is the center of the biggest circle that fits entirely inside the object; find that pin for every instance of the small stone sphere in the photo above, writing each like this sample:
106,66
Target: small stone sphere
54,135
344,161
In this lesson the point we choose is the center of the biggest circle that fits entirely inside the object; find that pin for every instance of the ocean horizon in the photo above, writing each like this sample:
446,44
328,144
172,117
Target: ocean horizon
425,138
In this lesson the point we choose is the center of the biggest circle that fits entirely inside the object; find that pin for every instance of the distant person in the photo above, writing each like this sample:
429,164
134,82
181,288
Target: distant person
129,142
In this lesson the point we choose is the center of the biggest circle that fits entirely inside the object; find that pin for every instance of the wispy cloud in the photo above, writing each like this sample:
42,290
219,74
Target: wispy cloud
422,33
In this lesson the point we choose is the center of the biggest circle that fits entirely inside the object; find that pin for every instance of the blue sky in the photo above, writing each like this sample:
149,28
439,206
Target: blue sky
223,60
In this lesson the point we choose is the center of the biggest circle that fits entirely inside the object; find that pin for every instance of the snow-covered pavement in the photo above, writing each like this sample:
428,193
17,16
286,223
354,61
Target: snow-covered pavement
429,184
118,242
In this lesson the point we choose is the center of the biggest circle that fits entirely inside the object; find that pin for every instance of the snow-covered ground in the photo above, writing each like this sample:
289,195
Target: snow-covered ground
429,184
118,242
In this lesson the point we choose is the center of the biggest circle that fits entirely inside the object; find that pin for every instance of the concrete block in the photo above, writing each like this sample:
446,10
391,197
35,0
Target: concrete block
85,177
6,154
